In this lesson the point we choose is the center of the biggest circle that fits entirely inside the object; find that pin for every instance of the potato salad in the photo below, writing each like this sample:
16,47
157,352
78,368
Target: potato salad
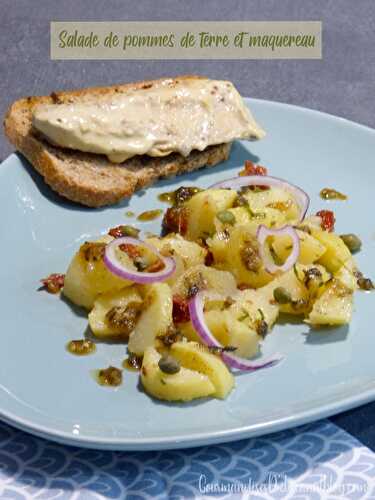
195,304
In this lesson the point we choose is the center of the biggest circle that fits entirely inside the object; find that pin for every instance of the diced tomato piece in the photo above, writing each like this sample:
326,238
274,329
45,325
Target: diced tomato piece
176,220
116,232
328,220
156,266
54,282
261,170
180,309
131,250
251,169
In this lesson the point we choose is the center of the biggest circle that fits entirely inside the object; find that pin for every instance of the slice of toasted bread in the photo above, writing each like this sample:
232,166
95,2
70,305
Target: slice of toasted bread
91,179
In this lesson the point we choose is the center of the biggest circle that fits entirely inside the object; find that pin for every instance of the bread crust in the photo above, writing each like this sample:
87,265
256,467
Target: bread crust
91,179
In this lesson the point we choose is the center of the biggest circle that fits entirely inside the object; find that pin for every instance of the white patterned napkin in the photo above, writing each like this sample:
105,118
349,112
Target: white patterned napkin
317,461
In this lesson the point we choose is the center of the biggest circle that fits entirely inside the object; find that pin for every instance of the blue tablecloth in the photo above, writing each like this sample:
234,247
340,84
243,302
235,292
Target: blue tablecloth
317,461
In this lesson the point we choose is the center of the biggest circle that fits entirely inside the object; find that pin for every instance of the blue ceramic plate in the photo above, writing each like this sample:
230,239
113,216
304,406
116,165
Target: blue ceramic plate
47,391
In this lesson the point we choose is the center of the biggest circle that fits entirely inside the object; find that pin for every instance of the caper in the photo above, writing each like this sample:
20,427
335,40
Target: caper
130,231
168,364
352,242
226,217
282,296
365,283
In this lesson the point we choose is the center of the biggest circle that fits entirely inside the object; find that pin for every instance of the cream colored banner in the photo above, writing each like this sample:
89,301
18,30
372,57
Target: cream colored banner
187,40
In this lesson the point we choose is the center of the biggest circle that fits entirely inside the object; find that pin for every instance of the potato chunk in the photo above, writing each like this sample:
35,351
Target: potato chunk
336,254
275,199
87,276
206,277
228,331
310,248
294,282
346,274
268,216
117,305
333,307
202,209
240,255
196,357
191,253
256,304
185,253
155,318
182,386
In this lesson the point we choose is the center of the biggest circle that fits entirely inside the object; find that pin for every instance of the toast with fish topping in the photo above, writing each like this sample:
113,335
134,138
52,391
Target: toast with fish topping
96,146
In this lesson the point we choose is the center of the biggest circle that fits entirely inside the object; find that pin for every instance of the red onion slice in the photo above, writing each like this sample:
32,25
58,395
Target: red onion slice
298,194
262,234
196,306
115,266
